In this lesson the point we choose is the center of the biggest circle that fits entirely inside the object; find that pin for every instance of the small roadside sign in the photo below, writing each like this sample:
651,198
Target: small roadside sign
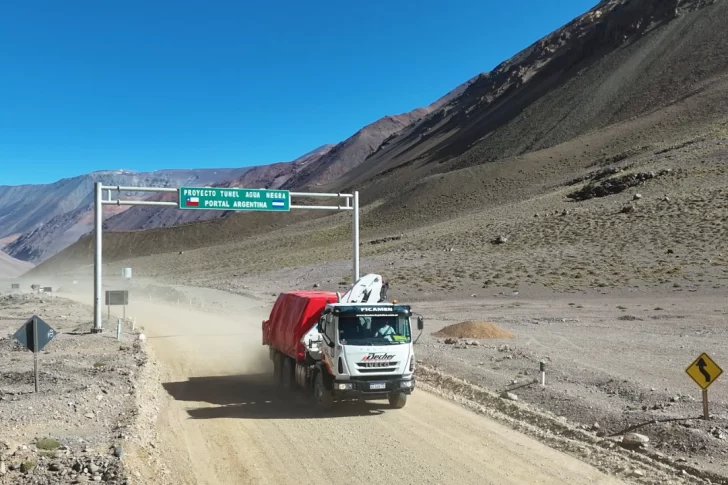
35,334
704,371
27,332
117,297
15,286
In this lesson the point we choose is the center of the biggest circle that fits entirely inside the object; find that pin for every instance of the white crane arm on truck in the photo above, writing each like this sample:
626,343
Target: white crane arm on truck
370,288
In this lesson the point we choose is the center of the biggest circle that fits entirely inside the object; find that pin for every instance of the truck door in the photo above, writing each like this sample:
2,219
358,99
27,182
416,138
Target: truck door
328,353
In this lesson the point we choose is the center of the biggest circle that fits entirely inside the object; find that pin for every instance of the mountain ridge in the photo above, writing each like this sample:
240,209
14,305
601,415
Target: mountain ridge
616,62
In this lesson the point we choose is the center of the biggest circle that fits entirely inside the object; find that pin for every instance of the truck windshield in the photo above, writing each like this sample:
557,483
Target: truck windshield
374,329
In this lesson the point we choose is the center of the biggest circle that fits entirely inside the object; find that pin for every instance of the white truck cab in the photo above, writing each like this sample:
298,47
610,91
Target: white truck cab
366,352
361,348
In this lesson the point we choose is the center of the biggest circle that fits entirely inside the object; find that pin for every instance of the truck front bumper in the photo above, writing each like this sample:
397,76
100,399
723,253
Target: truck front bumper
371,389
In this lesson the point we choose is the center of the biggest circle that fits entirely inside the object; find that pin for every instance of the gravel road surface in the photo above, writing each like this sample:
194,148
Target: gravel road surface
222,421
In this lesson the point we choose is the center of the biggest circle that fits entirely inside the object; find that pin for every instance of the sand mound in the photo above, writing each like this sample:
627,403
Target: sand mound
477,330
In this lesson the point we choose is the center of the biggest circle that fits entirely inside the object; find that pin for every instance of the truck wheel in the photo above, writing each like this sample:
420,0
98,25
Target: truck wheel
287,380
278,369
398,400
324,399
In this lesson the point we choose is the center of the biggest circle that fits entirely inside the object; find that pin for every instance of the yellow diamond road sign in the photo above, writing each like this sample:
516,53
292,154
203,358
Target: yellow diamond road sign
704,371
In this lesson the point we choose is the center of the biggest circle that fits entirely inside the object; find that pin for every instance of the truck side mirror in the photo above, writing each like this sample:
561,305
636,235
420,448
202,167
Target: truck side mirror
420,323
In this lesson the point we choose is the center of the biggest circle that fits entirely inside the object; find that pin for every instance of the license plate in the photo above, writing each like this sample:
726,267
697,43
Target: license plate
378,385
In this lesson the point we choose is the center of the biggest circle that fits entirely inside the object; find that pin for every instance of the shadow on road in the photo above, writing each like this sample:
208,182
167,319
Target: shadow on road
256,397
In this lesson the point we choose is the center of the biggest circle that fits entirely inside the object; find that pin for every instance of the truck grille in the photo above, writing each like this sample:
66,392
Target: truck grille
365,367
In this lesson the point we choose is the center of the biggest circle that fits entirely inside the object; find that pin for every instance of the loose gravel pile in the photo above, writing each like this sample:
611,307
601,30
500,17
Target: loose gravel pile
75,428
473,329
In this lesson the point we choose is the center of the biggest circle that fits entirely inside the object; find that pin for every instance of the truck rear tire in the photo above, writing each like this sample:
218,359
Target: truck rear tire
288,381
398,400
278,369
324,399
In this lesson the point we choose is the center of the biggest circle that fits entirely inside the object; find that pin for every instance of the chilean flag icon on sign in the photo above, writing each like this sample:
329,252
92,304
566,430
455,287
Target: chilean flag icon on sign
193,202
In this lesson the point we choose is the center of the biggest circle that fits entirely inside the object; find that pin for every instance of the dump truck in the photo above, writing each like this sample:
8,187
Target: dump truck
352,347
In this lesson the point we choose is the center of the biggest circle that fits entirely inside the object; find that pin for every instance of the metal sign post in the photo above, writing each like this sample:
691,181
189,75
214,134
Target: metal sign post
211,198
35,334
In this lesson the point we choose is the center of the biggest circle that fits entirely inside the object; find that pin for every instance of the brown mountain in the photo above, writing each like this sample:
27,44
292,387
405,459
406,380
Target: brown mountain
11,267
307,172
43,219
620,61
623,80
361,145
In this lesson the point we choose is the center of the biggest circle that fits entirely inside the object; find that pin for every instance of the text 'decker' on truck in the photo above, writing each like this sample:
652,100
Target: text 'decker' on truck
358,346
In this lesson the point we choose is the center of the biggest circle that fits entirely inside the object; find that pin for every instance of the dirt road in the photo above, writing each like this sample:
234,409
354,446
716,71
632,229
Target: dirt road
223,422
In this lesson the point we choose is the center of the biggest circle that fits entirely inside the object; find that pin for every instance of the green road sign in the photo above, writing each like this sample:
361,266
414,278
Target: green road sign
217,198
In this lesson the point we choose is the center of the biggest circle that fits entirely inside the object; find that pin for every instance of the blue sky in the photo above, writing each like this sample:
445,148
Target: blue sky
105,84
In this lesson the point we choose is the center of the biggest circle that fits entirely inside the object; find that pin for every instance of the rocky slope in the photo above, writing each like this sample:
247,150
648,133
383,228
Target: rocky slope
86,421
618,61
11,267
362,144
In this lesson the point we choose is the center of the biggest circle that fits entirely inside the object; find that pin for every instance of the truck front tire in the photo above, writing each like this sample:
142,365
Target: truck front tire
398,400
324,398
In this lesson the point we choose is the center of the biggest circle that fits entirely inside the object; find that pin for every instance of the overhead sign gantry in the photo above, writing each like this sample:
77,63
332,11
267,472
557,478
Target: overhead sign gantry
211,198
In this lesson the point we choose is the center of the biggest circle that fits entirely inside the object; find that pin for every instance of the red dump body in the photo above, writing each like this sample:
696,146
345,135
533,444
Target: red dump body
293,315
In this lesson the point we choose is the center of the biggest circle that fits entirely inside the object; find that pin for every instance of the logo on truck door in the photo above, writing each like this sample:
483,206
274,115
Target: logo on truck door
374,357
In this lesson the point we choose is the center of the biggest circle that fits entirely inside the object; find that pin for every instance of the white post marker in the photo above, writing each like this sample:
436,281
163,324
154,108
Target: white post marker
98,230
356,236
118,329
35,352
280,200
542,366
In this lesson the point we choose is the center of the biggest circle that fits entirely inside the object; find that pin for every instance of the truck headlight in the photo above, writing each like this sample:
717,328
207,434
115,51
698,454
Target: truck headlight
408,384
344,386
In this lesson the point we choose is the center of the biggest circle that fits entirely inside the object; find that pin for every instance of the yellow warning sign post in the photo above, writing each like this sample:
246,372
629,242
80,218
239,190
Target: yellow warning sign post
704,371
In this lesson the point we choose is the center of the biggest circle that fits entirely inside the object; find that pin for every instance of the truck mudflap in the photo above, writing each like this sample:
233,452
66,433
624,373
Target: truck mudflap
371,389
